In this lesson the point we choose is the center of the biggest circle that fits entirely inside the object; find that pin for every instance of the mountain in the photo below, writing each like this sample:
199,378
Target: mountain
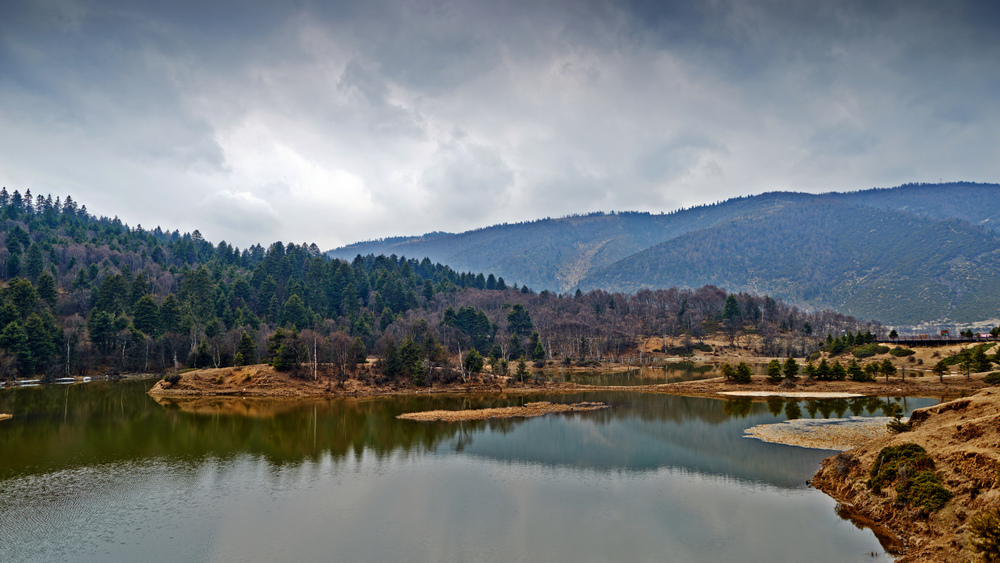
886,264
622,251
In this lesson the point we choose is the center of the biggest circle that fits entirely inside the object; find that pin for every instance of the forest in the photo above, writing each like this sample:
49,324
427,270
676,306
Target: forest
84,294
905,255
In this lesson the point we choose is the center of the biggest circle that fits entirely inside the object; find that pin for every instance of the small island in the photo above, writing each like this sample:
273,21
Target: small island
529,410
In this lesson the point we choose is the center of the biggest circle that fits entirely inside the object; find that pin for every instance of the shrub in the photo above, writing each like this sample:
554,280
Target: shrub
984,534
909,466
743,373
901,352
869,350
679,351
887,464
993,378
923,489
702,347
172,379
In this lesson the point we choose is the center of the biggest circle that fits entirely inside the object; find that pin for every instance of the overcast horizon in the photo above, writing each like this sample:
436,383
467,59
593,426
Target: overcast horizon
336,122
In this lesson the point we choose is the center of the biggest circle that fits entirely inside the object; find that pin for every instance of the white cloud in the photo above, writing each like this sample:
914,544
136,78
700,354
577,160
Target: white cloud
338,122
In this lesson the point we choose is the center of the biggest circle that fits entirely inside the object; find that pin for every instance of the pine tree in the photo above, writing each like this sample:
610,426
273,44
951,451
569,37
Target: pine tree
774,371
46,288
791,369
246,350
34,263
146,317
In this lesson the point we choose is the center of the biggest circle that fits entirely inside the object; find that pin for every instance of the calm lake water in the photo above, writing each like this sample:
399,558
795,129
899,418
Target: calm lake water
102,472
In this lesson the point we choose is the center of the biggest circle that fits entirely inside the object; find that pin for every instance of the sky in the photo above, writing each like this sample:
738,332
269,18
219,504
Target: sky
333,122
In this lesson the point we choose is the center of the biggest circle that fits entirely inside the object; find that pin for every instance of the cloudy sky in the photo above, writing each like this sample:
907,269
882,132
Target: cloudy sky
332,122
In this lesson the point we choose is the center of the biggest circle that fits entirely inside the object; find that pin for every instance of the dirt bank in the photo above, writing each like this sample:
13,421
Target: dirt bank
526,411
263,381
963,439
921,386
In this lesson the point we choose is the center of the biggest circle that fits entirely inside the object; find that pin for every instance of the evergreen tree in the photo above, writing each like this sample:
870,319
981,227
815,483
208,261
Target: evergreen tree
171,315
14,340
101,327
46,288
522,368
22,295
887,369
519,321
854,371
791,369
246,350
295,313
774,371
743,373
731,309
146,317
34,263
473,361
358,351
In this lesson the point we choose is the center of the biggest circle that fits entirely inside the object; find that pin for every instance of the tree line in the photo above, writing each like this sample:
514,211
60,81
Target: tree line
85,294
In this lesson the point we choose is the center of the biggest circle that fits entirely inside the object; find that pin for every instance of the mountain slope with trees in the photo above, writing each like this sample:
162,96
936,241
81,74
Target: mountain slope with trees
83,294
886,264
606,250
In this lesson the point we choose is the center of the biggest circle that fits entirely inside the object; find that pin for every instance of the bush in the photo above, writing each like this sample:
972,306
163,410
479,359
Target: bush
924,490
702,347
172,379
869,350
887,464
984,534
909,466
679,351
993,378
900,352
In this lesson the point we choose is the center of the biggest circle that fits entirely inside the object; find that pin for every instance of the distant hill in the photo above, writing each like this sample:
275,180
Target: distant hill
802,251
884,264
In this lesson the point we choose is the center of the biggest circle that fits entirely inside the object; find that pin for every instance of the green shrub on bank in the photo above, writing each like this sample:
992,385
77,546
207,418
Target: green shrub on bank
924,490
901,352
912,470
993,378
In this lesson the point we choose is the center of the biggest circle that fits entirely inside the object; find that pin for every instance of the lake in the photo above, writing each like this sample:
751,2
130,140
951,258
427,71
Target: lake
102,472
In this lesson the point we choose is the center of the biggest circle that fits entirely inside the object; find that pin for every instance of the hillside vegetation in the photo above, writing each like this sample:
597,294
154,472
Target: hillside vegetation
876,255
885,264
84,294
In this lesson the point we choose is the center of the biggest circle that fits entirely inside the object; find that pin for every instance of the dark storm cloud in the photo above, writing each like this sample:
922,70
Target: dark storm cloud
255,121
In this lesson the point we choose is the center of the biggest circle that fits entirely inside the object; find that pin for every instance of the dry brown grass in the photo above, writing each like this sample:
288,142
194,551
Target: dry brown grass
963,439
531,409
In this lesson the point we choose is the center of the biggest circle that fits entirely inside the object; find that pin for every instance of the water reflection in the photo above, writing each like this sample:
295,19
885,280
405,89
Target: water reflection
107,473
58,427
673,372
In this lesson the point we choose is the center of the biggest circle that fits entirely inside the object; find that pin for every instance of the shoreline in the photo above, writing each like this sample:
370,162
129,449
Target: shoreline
960,436
263,381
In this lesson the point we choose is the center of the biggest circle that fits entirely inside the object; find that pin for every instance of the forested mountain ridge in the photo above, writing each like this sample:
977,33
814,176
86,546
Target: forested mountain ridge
585,251
558,253
82,294
886,264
